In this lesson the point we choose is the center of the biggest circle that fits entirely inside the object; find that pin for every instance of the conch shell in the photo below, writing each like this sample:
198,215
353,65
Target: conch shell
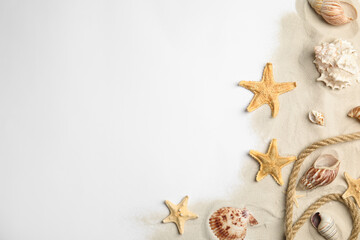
323,172
355,113
325,225
317,117
337,63
332,11
231,223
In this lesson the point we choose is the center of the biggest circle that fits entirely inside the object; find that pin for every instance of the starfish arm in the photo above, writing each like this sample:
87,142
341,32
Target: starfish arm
346,194
257,101
274,106
283,161
251,86
273,150
189,215
260,175
172,207
184,201
268,75
180,225
281,88
258,156
276,174
168,219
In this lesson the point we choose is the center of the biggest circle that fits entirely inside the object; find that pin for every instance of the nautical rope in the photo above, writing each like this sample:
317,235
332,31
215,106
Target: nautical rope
292,228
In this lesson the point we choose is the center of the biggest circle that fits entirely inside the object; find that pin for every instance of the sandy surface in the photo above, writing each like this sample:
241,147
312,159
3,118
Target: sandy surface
292,61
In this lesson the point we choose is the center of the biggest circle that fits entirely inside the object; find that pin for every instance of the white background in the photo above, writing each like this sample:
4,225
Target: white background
107,108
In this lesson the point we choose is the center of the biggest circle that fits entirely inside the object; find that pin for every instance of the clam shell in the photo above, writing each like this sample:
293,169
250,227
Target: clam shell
231,223
325,225
332,11
317,118
322,173
355,113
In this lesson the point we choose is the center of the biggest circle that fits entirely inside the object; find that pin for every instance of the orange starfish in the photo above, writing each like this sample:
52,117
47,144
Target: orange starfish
267,90
271,163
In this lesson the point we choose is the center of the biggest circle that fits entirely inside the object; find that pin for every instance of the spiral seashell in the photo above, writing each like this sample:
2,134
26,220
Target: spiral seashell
323,172
231,223
325,225
355,113
332,11
317,118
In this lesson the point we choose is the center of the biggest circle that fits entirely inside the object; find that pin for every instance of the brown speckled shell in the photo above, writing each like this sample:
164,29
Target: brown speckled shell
323,172
231,223
355,113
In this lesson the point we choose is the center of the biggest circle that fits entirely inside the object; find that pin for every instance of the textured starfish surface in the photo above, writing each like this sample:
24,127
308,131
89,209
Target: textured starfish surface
353,188
179,214
267,90
271,163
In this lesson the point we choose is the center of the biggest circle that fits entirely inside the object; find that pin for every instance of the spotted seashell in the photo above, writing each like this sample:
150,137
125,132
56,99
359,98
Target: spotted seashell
325,225
317,118
231,223
323,172
355,113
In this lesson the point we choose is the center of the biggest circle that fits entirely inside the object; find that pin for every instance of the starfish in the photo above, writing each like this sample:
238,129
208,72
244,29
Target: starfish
179,214
353,188
267,90
271,163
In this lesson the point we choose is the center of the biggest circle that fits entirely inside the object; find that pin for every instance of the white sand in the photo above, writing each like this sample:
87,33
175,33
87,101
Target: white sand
266,200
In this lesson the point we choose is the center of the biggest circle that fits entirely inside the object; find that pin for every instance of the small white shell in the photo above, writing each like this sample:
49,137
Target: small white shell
325,226
332,11
337,63
317,118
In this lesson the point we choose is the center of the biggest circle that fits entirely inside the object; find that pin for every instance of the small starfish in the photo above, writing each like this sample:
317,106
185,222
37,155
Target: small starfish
296,197
353,188
267,90
271,163
179,214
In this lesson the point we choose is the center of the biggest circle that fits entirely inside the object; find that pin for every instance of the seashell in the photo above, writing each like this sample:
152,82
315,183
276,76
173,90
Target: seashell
231,223
332,11
337,63
317,117
355,113
325,225
323,172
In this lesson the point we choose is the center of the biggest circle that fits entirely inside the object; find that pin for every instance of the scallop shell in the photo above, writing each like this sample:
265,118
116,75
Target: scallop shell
332,11
355,113
317,117
337,63
231,223
323,172
325,225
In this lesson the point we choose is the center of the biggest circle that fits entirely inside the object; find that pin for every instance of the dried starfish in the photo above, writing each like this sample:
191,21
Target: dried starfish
267,90
179,214
353,188
271,163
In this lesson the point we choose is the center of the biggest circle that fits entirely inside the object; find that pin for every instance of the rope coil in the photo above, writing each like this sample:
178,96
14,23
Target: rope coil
291,227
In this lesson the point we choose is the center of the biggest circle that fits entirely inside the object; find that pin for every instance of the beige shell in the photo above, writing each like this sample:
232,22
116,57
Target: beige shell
325,225
355,113
231,223
317,117
337,63
322,173
332,11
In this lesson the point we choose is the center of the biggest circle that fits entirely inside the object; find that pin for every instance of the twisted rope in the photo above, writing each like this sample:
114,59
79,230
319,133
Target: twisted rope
292,228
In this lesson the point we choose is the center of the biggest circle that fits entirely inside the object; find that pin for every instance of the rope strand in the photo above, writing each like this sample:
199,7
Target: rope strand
292,228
